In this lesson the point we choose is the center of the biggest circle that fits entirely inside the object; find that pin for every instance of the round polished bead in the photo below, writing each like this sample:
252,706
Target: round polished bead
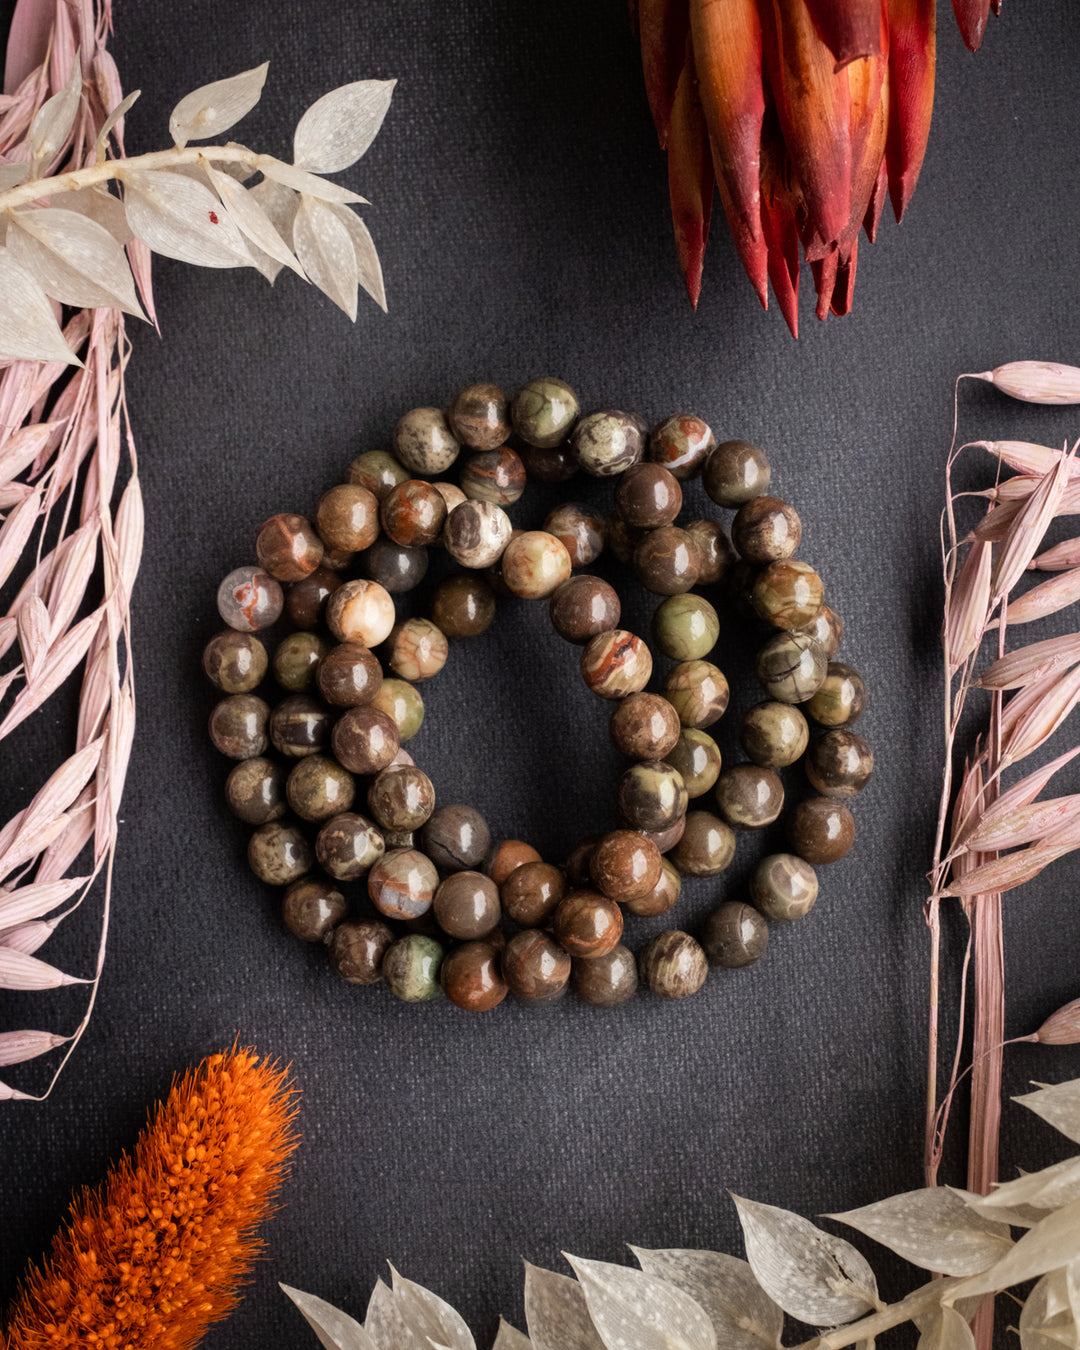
532,892
616,663
652,796
318,788
707,846
289,547
348,845
749,797
788,594
424,443
300,725
820,830
397,568
783,887
378,471
453,496
608,443
766,530
360,611
506,856
456,838
841,697
357,949
305,601
715,554
402,883
549,464
278,853
644,726
417,650
493,476
681,444
583,607
236,662
466,905
774,735
411,968
698,691
238,726
622,539
792,667
255,791
839,763
666,561
403,704
350,674
673,965
696,756
648,496
579,861
311,908
662,896
296,661
579,529
477,533
826,628
686,627
348,517
734,935
471,977
605,981
544,412
249,599
534,564
463,606
666,839
365,739
535,967
587,924
625,865
736,472
413,513
479,416
401,797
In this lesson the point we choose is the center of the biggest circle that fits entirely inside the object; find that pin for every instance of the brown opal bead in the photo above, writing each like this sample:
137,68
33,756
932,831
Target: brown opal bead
840,698
471,977
255,791
535,967
297,659
605,981
707,845
417,650
318,788
288,547
774,735
715,554
736,472
827,629
820,830
616,663
578,863
662,896
673,965
357,949
696,757
305,601
312,907
783,887
402,884
249,599
839,763
299,726
734,935
401,798
588,924
494,476
348,517
549,464
463,606
506,856
424,443
765,530
348,845
622,539
644,726
544,411
666,561
403,704
360,611
788,593
749,797
648,496
681,444
278,853
534,564
625,865
456,838
583,607
377,471
480,416
698,691
476,533
349,675
365,740
792,667
413,513
580,530
397,568
235,662
532,892
453,496
467,906
666,839
238,726
607,443
652,796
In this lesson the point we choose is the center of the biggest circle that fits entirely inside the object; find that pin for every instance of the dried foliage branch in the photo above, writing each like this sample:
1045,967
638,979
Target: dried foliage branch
702,1300
78,225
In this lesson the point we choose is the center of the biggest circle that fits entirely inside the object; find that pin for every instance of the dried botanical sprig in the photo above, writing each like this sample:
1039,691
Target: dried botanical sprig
702,1300
156,1254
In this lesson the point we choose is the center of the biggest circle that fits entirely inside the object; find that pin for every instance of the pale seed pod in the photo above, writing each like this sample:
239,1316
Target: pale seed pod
1036,381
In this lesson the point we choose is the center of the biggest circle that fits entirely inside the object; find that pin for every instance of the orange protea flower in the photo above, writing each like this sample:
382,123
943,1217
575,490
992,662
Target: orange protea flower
153,1256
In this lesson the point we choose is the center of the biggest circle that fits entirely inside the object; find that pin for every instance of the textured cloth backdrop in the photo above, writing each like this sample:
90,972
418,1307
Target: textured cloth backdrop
520,209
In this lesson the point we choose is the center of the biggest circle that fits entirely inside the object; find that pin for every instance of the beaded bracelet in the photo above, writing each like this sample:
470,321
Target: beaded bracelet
343,718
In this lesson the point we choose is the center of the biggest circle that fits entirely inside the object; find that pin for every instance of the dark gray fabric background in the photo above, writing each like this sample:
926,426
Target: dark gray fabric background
520,209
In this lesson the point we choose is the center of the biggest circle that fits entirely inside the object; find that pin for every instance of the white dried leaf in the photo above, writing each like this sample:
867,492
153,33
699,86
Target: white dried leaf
28,327
1053,1242
431,1317
1049,1188
335,1329
11,175
280,204
251,219
101,205
16,1047
556,1312
307,183
1016,1216
213,108
509,1338
368,268
121,110
325,249
54,119
337,128
24,903
19,971
635,1311
76,260
933,1229
180,218
945,1329
385,1324
1046,1319
742,1313
818,1278
1059,1105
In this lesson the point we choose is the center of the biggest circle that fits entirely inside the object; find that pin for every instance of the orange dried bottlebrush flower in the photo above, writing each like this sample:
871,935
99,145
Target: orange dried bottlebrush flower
153,1256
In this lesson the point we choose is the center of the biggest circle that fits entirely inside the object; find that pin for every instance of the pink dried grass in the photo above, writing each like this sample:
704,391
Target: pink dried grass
64,442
